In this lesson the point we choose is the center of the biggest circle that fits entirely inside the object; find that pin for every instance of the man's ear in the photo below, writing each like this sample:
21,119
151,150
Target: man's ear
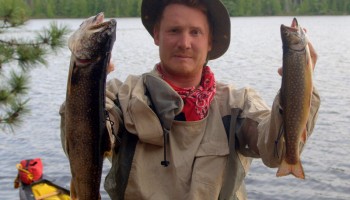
210,47
156,35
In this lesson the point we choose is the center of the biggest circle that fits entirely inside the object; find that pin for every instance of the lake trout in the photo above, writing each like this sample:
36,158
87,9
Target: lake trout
295,96
87,139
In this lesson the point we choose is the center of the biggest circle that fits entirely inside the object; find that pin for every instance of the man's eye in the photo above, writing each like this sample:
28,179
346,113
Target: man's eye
195,32
174,30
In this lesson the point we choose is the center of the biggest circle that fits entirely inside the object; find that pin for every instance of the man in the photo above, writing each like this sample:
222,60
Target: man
180,133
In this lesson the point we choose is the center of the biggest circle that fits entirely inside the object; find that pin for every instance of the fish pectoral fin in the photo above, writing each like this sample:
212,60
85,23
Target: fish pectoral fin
73,193
303,136
280,110
108,154
309,61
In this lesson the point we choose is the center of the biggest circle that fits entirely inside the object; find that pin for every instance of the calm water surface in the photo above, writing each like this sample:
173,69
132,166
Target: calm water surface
252,60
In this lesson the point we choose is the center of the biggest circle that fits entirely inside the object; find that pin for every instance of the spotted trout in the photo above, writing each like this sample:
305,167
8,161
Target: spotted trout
295,96
87,139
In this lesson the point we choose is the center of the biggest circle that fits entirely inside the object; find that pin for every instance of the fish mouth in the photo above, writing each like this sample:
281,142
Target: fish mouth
294,23
293,36
92,38
294,27
99,22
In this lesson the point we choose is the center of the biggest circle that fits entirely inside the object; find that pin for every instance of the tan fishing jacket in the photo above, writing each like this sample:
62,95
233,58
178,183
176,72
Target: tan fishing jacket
208,159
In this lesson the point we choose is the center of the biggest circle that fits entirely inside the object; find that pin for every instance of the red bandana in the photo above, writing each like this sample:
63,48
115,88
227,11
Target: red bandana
196,100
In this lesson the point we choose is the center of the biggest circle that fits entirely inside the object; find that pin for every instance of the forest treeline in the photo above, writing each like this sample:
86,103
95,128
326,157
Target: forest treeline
131,8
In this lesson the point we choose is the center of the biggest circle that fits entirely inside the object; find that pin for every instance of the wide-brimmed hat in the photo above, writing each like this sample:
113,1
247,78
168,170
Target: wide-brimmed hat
219,17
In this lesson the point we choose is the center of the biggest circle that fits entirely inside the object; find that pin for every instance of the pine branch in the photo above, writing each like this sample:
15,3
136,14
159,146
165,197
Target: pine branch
12,108
12,118
4,96
32,53
13,13
54,36
18,83
13,88
16,43
6,54
28,54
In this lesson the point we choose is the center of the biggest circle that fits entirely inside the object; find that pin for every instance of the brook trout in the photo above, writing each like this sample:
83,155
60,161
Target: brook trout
295,96
86,136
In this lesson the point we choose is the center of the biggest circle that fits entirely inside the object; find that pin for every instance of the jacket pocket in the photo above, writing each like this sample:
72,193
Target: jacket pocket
208,170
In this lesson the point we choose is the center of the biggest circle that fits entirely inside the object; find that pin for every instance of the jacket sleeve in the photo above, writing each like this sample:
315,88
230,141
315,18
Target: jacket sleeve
270,143
114,118
114,112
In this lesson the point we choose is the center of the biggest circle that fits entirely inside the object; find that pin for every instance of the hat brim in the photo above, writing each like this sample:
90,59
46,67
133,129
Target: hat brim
219,17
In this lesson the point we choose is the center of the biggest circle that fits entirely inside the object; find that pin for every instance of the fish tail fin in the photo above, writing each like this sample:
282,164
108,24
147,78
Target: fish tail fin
286,169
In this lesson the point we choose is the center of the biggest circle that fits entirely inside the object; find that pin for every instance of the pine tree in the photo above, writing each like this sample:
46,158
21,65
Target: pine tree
18,57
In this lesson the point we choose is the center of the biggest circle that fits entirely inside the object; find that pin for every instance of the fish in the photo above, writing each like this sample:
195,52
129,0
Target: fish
87,140
295,96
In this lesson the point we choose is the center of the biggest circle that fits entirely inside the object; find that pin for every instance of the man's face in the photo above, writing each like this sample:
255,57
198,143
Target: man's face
183,38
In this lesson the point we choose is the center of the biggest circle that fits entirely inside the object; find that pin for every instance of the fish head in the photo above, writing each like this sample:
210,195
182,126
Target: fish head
92,38
293,37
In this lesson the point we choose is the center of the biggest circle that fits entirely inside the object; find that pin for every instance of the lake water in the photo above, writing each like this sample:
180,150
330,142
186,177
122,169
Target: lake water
252,60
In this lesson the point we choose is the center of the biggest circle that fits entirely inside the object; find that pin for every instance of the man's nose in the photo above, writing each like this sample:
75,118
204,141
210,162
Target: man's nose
184,41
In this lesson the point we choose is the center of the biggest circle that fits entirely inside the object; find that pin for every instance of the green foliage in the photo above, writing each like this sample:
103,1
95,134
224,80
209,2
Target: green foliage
30,55
53,36
82,8
13,12
17,57
131,8
287,7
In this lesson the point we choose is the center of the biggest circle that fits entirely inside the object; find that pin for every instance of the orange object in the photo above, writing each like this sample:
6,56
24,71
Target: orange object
30,170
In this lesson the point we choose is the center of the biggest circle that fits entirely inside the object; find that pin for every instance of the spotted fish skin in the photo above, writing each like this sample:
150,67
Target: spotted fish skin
295,96
87,140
